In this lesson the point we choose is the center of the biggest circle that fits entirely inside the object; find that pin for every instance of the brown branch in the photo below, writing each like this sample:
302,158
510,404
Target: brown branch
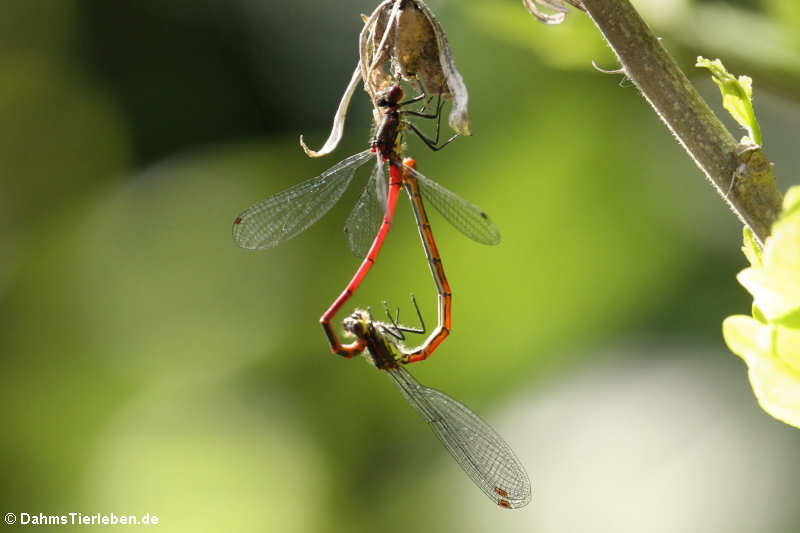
745,182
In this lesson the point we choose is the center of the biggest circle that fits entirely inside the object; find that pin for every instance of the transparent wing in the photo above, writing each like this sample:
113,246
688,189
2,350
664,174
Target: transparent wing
481,452
365,219
290,212
464,216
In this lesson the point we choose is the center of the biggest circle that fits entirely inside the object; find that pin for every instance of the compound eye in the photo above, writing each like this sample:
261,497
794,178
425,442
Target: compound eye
349,324
355,327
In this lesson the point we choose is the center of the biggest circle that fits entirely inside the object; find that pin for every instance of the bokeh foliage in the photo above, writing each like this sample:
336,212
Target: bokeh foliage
148,365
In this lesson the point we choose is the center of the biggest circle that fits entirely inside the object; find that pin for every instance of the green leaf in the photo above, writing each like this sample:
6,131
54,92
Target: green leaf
758,314
737,95
787,346
745,337
775,383
769,341
751,248
791,202
774,282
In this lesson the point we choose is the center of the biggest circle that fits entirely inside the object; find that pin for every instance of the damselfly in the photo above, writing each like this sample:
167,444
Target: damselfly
410,178
288,213
483,454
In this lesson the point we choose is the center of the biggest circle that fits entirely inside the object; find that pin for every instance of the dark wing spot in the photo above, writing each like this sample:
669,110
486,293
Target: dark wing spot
501,492
504,503
237,221
484,215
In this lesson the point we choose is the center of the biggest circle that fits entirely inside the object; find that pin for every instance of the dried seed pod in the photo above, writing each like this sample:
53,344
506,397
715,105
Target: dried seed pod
405,35
410,46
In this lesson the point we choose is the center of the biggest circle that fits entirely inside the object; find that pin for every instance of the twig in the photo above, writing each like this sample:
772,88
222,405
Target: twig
751,193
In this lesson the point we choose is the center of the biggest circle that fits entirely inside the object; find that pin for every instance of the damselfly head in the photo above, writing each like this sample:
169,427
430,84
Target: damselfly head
390,97
358,323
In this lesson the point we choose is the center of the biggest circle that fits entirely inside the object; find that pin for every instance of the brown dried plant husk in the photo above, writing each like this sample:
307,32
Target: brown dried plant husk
402,41
556,5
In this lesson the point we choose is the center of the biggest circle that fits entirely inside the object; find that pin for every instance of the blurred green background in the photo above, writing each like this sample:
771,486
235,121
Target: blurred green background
148,365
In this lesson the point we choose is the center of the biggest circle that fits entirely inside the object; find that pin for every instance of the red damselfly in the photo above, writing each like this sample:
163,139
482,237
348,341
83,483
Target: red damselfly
288,213
483,454
409,177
